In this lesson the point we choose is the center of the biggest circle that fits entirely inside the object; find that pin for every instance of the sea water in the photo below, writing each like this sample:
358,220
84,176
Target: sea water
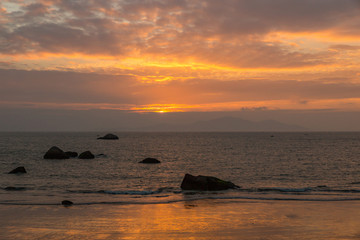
301,166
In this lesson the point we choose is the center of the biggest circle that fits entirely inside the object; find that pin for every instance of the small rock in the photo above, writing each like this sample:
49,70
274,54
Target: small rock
15,188
86,155
55,153
150,160
18,170
71,154
67,203
205,183
109,136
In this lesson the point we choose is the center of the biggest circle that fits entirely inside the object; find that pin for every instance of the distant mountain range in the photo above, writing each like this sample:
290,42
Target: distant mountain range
225,124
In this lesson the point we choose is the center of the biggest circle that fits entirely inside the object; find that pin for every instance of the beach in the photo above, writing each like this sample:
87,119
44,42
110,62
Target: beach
201,219
173,119
291,186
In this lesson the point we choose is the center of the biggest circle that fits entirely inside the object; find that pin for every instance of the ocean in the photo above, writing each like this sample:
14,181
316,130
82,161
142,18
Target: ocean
301,166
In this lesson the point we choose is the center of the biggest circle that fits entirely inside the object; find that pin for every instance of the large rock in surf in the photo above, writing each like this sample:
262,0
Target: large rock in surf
150,160
55,153
86,155
18,170
109,136
205,183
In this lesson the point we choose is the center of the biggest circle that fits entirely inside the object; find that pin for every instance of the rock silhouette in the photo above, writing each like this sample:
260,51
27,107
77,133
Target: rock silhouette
205,183
55,153
86,155
18,170
67,203
150,160
109,136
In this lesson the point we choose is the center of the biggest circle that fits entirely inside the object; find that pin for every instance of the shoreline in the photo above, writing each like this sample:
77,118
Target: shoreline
197,219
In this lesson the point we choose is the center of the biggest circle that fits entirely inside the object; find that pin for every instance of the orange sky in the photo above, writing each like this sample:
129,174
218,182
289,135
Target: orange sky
173,55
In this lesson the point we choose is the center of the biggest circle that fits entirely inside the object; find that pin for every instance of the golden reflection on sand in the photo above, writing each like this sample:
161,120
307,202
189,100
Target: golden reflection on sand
203,219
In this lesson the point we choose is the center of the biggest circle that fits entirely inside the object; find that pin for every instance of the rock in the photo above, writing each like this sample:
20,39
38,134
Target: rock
67,203
71,154
205,183
18,170
150,160
109,136
55,153
86,155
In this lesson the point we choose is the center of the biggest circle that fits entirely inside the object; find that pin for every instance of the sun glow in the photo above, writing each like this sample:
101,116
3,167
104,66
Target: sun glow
161,108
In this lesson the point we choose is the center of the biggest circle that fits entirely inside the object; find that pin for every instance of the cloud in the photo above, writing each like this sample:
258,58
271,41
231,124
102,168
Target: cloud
345,47
213,91
180,53
48,88
64,87
230,33
5,64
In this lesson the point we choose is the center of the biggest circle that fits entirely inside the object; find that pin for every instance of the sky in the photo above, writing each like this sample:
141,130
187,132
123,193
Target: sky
181,56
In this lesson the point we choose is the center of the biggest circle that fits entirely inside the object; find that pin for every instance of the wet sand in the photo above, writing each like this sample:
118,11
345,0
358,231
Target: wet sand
202,219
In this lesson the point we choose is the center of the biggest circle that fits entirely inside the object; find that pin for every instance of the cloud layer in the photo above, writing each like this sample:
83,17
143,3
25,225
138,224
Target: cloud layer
134,53
71,90
230,33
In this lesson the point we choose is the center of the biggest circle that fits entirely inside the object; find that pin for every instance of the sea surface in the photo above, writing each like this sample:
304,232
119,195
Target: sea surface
301,166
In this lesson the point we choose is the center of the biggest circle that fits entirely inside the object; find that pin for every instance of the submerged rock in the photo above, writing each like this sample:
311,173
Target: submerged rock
55,153
109,136
86,155
67,203
150,160
205,183
71,154
101,155
18,170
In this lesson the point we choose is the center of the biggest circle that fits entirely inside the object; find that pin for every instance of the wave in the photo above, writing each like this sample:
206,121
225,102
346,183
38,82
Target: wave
284,190
166,195
310,190
128,192
228,199
277,190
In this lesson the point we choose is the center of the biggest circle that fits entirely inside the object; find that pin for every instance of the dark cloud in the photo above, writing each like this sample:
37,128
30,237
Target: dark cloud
70,87
64,87
33,119
4,64
345,47
35,10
